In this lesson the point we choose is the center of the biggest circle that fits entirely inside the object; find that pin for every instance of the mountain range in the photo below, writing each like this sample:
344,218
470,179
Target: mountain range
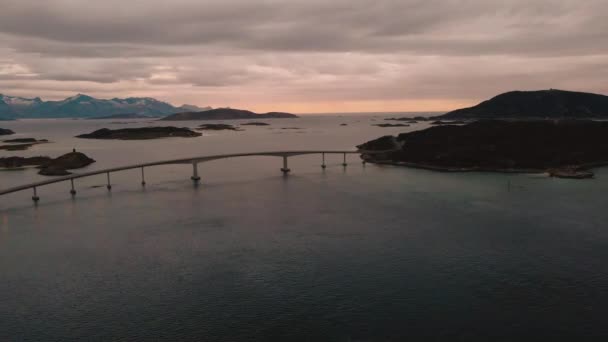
539,104
84,106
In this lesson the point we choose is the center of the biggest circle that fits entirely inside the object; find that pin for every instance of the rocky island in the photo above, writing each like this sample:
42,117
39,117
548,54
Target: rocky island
541,104
121,116
226,114
21,144
255,124
564,148
60,165
143,133
384,125
48,166
217,127
4,131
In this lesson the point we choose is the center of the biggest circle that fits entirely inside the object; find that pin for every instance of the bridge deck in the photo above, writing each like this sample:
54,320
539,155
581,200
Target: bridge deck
194,161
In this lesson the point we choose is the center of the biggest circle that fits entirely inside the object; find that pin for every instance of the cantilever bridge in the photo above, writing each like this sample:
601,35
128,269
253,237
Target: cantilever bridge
192,161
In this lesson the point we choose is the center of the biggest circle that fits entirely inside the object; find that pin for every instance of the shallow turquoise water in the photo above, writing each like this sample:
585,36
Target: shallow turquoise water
357,254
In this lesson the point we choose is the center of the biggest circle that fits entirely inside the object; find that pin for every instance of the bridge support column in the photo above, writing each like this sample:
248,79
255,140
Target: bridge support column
285,169
35,198
323,161
72,191
195,178
344,161
109,185
143,177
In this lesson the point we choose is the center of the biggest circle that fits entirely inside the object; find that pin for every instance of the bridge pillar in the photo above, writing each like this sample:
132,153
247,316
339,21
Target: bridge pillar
344,161
195,178
323,161
285,169
72,191
143,177
35,198
109,185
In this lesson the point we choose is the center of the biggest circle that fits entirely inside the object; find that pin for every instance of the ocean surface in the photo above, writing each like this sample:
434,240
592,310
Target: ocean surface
362,253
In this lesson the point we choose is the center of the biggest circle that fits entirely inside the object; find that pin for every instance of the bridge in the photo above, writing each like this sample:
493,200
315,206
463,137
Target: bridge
191,161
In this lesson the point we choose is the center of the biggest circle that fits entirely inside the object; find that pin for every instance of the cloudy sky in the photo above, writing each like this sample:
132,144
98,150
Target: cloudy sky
303,55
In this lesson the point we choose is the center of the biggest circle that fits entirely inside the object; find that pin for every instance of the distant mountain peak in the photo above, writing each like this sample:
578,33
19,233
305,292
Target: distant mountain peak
78,97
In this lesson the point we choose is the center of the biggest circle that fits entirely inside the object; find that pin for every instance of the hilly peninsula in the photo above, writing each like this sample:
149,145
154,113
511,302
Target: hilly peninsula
226,114
567,148
541,104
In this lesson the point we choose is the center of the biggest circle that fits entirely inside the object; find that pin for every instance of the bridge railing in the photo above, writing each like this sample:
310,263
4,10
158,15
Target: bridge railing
193,161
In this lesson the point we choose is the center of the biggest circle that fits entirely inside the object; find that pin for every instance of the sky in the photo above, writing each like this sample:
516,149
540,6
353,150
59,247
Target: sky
303,56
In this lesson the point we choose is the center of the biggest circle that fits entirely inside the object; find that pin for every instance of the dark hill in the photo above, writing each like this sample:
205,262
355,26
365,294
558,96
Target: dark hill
226,114
536,104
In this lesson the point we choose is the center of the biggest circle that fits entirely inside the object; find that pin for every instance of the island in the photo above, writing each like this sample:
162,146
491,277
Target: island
4,131
255,124
226,114
391,125
121,116
21,144
143,133
562,148
24,140
540,104
217,127
20,162
60,165
48,166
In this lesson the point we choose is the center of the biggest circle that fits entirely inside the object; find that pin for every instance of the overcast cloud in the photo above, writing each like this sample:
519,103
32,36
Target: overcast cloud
303,55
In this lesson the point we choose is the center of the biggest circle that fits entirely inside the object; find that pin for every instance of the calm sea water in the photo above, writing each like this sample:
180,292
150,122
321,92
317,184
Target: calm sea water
347,254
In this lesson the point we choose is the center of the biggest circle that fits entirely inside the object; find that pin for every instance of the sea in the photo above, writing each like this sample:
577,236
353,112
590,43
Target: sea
355,253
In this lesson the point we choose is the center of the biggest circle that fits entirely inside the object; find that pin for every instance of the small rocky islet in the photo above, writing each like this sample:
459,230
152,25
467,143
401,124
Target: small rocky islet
218,127
21,144
142,133
562,148
386,125
255,124
5,131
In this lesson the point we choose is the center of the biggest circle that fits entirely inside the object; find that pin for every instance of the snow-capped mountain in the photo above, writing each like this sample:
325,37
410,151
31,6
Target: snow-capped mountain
84,106
20,101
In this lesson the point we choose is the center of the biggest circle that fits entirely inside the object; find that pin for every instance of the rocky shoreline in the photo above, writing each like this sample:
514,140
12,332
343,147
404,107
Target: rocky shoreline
578,172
